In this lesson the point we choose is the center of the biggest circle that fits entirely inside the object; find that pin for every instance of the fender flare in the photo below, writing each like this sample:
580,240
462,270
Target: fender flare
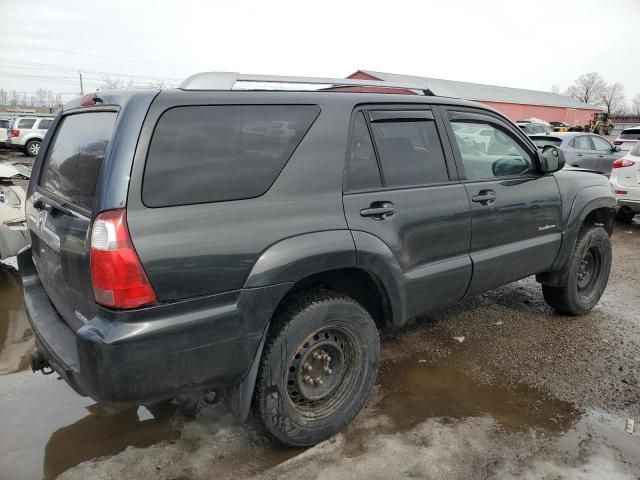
587,200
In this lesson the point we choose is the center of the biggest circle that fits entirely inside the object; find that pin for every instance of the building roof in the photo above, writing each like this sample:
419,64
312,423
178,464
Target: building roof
480,92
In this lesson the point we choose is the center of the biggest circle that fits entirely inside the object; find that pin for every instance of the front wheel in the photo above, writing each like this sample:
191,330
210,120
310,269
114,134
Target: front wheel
585,275
318,367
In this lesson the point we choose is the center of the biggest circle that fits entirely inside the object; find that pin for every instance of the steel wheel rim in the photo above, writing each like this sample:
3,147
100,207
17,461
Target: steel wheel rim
320,391
34,148
589,269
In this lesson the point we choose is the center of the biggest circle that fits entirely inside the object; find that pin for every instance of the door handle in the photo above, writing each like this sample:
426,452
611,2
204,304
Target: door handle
578,154
378,210
485,197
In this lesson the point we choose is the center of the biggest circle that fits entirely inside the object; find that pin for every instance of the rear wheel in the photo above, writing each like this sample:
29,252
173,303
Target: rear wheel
625,215
586,274
318,367
32,148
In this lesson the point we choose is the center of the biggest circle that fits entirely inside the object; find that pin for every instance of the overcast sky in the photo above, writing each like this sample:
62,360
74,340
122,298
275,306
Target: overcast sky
526,44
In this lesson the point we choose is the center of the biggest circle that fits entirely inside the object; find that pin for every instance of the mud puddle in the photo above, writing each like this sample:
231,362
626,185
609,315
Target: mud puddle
16,338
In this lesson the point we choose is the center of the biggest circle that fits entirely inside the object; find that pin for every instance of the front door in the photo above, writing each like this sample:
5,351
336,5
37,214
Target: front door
605,154
402,188
515,209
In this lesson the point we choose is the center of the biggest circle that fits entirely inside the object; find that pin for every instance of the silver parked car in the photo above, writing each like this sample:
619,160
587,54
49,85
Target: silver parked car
583,150
4,132
13,229
26,134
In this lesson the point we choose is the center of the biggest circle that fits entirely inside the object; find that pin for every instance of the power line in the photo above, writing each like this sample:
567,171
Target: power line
70,52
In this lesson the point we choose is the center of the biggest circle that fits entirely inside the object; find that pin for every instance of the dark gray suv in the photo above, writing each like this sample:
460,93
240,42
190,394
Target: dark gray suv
252,242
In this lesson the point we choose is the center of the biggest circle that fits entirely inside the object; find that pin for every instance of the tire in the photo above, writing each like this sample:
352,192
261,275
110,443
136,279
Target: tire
32,148
625,215
335,336
586,274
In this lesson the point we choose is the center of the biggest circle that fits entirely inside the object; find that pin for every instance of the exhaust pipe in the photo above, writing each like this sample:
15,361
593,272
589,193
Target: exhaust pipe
39,363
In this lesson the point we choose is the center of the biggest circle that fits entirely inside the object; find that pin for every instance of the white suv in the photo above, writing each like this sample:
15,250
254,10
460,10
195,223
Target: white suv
625,178
27,133
628,138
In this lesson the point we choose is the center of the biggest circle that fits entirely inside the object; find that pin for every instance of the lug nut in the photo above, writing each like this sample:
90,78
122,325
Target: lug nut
317,355
327,358
318,381
308,379
327,370
308,367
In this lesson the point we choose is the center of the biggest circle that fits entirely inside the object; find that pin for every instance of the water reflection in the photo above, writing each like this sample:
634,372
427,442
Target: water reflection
16,338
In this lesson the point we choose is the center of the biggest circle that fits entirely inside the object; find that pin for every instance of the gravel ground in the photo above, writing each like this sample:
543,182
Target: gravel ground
497,386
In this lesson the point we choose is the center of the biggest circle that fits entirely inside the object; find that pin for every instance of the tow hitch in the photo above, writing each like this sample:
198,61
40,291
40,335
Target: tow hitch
40,364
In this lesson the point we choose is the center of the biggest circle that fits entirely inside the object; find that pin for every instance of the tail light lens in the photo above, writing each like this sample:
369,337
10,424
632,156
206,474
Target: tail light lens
119,281
14,132
620,192
623,162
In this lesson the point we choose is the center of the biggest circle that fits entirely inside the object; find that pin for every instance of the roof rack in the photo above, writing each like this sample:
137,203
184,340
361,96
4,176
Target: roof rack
238,81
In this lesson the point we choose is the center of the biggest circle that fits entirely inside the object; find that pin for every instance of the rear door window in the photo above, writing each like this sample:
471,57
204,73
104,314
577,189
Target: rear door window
72,163
582,143
409,148
203,154
26,123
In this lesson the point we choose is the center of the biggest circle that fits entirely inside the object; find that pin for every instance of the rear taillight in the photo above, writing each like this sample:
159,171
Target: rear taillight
14,132
620,192
623,162
119,281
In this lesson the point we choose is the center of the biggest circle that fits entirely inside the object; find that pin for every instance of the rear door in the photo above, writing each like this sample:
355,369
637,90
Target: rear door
515,210
584,154
401,186
60,207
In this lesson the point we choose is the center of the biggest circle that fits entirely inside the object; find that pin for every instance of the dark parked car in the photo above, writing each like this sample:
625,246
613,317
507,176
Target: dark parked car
584,150
253,242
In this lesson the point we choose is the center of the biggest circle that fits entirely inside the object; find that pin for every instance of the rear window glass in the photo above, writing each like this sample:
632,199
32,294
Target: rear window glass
208,154
26,122
630,134
72,164
544,141
44,124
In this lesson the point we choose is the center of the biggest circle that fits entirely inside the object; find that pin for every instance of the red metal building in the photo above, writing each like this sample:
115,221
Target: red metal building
515,103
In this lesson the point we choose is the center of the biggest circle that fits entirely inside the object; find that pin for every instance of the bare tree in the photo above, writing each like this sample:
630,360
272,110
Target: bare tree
158,84
612,97
587,88
635,103
114,83
13,98
555,88
4,97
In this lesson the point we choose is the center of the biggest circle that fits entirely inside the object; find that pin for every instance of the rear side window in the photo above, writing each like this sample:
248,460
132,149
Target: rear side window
630,134
72,164
44,124
26,123
410,152
362,167
205,154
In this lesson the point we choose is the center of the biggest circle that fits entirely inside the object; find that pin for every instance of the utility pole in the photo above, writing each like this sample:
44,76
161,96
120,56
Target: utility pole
81,87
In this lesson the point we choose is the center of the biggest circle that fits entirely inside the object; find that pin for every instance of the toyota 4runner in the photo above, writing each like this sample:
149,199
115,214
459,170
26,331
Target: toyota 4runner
239,235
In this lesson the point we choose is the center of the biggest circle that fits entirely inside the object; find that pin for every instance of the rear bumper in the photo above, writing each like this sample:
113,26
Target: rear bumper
631,199
150,354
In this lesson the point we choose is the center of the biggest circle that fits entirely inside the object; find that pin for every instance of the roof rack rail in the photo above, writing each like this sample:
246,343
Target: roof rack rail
234,81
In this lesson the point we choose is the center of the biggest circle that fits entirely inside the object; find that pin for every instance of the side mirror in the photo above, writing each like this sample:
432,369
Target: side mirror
616,148
551,159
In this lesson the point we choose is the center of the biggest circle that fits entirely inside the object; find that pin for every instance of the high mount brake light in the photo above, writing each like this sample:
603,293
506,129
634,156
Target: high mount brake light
119,281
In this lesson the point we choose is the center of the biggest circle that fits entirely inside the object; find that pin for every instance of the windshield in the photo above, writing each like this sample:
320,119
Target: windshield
630,134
